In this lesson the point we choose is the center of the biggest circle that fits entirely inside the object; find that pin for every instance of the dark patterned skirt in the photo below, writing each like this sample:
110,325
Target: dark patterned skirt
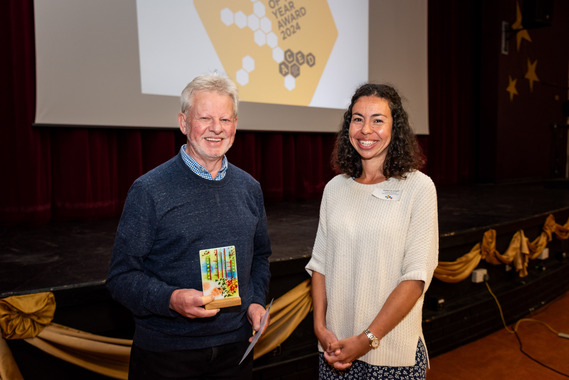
360,370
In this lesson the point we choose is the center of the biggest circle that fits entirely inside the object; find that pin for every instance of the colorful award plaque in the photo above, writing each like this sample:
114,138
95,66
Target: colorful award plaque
219,276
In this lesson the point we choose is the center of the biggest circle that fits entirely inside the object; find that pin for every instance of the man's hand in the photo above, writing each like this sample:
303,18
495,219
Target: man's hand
189,302
255,313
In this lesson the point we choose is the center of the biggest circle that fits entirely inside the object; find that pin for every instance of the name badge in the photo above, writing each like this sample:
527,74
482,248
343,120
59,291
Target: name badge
387,195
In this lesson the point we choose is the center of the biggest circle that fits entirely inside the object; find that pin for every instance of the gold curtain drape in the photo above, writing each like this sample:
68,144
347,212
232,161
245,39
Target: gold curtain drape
29,317
518,254
286,313
22,317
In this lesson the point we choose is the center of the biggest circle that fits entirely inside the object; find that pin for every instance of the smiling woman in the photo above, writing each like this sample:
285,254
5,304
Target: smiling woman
370,135
378,223
399,151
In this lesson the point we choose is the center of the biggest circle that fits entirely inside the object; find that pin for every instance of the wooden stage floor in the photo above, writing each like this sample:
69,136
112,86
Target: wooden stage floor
71,259
67,254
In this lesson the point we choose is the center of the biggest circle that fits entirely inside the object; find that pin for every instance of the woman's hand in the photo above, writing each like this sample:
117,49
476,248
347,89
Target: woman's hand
347,350
327,339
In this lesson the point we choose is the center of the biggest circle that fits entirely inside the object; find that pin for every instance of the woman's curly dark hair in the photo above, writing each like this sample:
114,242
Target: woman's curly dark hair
403,153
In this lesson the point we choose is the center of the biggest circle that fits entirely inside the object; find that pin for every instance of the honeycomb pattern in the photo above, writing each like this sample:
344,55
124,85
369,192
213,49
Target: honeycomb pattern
281,45
289,62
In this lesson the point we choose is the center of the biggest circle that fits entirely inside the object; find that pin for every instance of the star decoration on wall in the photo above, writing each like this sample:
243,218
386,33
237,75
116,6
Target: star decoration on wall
522,33
530,74
512,87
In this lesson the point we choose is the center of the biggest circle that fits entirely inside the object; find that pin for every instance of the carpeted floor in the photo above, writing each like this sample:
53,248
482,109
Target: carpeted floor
498,355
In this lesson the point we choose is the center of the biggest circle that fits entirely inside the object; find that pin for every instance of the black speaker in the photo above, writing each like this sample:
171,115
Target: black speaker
565,108
537,13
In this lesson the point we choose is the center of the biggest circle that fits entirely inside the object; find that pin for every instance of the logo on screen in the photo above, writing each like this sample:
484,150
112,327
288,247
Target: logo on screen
275,50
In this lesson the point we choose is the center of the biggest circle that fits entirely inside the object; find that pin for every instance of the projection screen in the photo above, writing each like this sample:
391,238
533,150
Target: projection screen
109,63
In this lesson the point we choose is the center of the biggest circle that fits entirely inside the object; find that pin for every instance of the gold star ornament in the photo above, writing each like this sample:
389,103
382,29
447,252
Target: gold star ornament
530,74
522,33
512,87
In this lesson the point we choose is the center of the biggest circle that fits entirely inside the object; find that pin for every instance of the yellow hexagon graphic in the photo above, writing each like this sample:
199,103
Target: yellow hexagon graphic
274,50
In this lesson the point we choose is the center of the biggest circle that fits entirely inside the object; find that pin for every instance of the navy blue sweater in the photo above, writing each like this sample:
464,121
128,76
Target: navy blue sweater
171,214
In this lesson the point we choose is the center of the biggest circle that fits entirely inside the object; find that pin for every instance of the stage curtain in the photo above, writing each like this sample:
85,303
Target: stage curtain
519,252
79,173
29,317
453,86
74,172
25,154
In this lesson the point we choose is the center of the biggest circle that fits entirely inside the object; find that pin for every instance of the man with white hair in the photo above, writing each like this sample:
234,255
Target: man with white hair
197,200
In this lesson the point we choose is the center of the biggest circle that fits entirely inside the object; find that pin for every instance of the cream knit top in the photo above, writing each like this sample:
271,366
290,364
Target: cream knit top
370,238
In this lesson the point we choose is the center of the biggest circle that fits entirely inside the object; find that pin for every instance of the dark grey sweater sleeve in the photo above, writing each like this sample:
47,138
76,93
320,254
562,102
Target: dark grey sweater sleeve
260,273
127,281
